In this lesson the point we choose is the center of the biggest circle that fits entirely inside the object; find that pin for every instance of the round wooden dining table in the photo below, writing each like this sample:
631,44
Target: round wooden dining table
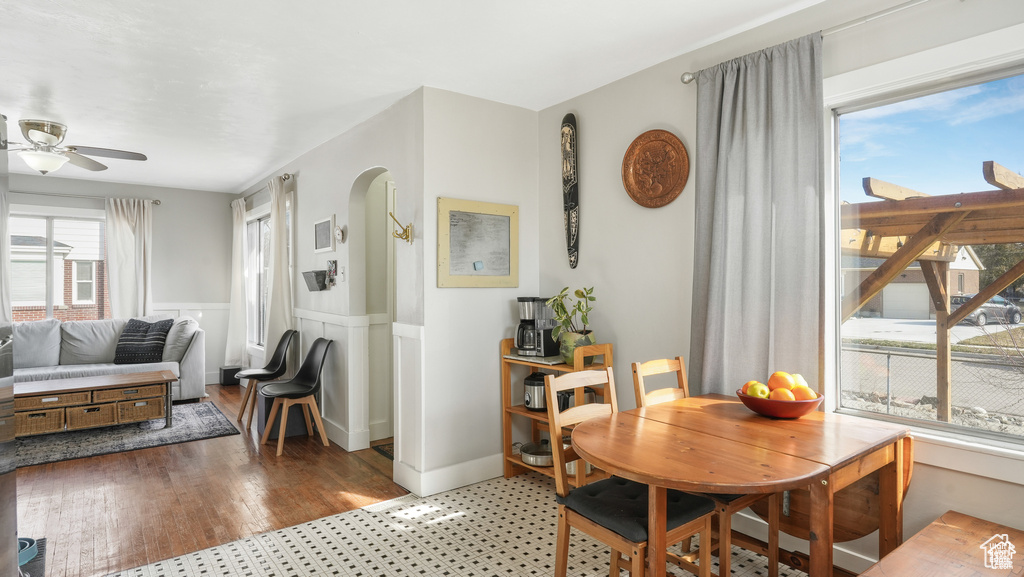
713,444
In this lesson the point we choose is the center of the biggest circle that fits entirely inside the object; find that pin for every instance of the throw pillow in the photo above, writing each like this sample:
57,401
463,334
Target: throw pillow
179,338
142,342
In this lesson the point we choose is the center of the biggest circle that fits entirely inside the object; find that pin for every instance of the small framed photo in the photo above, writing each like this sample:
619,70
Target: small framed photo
323,235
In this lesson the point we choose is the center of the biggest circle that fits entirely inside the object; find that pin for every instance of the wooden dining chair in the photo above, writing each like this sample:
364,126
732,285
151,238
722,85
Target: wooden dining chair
725,505
614,510
299,390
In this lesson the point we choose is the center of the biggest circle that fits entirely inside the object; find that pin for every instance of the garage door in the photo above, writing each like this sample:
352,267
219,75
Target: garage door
905,301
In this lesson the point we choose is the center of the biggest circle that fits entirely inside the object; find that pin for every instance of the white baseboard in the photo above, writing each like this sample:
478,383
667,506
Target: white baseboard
429,483
212,377
350,441
381,430
749,523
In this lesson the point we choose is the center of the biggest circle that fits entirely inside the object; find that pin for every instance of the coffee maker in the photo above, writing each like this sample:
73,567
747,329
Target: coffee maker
533,336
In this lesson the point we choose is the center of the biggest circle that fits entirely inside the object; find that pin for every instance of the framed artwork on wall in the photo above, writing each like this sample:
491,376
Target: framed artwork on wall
323,235
477,244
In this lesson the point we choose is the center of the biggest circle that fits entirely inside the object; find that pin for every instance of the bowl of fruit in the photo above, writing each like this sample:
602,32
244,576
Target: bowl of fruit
784,396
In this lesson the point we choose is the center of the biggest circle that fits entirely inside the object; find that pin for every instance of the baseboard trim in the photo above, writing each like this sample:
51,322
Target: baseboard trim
350,441
381,430
429,483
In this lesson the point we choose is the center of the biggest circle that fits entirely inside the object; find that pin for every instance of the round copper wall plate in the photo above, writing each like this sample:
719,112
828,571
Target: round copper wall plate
655,168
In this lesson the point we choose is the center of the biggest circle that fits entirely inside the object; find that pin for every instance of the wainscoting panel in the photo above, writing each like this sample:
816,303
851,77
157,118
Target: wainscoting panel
409,357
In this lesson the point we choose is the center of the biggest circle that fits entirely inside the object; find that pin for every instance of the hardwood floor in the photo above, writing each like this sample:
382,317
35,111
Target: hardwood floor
114,512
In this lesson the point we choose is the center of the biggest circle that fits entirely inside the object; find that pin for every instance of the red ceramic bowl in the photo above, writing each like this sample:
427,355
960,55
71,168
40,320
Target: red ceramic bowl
779,409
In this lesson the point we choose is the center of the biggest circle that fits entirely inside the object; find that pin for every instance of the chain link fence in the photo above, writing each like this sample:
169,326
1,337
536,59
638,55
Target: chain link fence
987,390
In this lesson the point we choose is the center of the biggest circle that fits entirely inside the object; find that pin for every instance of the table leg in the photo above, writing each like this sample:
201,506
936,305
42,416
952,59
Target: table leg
821,528
657,531
890,497
167,406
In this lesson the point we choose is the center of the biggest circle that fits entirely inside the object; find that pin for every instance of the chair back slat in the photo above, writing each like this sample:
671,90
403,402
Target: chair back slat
557,420
659,367
312,366
276,366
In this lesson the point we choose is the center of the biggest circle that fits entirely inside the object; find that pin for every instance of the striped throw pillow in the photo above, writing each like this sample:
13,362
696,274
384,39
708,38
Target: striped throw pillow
142,342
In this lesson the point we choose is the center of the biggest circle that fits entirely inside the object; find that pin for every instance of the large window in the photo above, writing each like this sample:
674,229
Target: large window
57,267
257,235
943,143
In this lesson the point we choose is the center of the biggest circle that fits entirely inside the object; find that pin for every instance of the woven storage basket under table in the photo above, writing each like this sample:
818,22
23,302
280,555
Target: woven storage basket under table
92,416
143,410
38,422
51,401
125,394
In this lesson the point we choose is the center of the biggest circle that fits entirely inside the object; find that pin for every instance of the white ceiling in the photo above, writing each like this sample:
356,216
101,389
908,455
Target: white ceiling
218,93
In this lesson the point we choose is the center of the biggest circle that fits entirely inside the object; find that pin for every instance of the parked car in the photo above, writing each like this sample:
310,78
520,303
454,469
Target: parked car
997,308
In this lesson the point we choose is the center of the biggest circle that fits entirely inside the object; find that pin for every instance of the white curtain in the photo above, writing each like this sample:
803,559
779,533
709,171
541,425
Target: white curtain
279,297
235,351
130,256
758,236
5,247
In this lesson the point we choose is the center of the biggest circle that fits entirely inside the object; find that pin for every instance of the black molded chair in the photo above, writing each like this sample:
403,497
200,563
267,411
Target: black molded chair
274,369
300,390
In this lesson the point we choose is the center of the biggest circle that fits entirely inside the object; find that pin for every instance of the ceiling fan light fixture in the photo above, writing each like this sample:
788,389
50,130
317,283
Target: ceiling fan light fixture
42,160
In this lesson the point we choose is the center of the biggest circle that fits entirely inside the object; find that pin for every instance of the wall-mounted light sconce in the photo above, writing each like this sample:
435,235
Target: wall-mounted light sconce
406,233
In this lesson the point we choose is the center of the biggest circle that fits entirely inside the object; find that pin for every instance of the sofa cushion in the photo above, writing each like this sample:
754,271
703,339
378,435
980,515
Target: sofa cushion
36,343
87,342
142,342
179,337
77,371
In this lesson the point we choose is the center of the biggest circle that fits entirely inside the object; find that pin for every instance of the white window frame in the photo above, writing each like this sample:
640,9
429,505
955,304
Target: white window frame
257,213
75,281
979,59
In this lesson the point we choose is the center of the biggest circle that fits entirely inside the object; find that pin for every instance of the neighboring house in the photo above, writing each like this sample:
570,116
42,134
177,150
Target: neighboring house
79,280
907,296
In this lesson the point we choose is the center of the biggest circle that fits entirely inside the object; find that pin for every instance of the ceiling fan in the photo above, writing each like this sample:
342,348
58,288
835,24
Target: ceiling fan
45,152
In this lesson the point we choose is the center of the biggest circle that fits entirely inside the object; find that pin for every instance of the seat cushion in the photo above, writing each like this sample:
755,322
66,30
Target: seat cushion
285,389
36,343
142,342
260,374
621,506
77,371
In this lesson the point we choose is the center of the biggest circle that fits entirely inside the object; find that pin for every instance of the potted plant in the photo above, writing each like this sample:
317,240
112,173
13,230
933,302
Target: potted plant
570,331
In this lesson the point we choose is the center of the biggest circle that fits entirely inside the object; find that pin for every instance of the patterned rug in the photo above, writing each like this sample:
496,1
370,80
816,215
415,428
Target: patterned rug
386,449
192,422
501,527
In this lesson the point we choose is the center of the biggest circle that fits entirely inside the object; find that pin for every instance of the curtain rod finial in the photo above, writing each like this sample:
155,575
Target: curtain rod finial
687,77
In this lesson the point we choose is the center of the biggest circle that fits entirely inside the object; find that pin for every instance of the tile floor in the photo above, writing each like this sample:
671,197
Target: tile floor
500,527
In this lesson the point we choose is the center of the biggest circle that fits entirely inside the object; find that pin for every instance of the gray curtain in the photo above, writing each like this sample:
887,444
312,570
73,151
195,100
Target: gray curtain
758,238
279,296
130,256
235,350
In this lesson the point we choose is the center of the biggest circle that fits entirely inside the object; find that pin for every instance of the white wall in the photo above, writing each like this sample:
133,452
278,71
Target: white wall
640,260
191,246
485,151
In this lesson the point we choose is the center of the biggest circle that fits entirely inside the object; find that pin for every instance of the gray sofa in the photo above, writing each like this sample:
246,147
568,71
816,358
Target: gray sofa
52,349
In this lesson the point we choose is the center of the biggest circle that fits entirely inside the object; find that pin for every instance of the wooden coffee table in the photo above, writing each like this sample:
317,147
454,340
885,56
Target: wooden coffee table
70,404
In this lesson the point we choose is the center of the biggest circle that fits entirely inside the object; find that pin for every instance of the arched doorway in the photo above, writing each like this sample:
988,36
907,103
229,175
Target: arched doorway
372,290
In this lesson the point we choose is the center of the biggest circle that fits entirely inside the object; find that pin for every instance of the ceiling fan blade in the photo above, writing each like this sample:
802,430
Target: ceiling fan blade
107,152
83,161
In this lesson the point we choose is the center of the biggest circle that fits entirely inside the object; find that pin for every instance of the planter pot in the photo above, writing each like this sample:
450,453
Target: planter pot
567,343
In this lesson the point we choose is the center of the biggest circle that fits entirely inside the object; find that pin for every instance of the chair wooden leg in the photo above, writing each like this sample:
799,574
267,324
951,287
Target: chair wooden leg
245,399
562,544
638,561
270,420
704,554
773,535
252,406
306,410
315,411
613,570
287,404
724,541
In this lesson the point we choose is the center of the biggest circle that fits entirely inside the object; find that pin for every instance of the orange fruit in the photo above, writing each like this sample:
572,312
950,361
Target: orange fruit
746,386
803,393
781,380
781,394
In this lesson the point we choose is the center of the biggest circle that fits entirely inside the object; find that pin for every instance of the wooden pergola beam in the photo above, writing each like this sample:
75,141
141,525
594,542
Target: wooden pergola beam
894,265
866,244
936,276
1001,177
889,191
852,215
986,293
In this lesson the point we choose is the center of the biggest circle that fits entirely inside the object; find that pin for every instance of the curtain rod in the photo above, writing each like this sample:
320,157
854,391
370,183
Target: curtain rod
285,177
66,195
688,77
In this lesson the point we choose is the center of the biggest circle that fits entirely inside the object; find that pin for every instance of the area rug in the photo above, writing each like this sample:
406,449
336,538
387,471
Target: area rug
192,422
386,449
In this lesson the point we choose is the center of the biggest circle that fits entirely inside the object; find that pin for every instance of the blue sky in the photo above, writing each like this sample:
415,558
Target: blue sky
934,144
